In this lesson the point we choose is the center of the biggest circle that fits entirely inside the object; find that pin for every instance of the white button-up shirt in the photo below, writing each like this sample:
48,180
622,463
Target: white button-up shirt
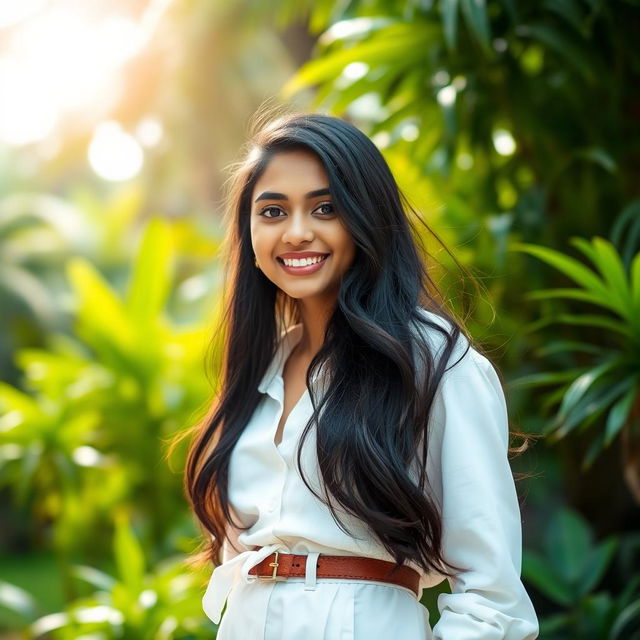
468,472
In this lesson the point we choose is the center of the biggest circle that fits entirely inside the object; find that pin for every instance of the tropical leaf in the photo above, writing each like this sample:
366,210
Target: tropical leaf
449,13
16,599
568,542
94,577
578,389
569,266
604,255
619,413
151,275
398,45
569,346
573,294
597,563
545,378
103,321
593,320
627,623
129,556
625,232
475,13
635,284
542,575
594,401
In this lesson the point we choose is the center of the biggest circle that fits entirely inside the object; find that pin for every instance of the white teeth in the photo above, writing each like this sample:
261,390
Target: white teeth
302,262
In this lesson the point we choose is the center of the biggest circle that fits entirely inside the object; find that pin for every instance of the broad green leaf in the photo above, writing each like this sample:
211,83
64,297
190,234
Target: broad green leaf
569,346
635,284
569,266
399,44
537,571
581,385
628,594
619,413
572,294
151,277
555,623
475,13
129,557
594,401
627,622
550,400
607,260
568,545
101,314
345,96
625,232
541,379
17,599
592,320
353,29
322,12
449,12
94,577
597,563
593,451
598,156
12,399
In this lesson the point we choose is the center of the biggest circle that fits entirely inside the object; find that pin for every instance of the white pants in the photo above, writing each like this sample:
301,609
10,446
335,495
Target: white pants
323,609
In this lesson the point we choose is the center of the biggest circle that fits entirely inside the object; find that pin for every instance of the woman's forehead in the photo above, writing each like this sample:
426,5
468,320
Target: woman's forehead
295,172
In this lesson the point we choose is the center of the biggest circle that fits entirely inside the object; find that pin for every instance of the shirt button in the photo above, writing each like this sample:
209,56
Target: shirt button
272,505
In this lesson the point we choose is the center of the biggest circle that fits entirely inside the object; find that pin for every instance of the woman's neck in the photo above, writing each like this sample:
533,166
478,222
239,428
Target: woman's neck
314,315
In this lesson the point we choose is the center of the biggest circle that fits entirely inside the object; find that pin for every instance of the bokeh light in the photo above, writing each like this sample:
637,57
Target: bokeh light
62,63
114,154
503,142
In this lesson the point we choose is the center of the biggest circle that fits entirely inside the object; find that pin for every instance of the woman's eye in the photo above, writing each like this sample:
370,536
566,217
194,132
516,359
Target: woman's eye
262,213
327,208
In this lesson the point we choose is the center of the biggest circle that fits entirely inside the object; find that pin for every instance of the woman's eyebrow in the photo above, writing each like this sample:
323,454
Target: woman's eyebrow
274,195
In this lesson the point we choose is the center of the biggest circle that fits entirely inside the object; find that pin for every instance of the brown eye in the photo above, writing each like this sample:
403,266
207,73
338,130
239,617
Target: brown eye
262,213
327,208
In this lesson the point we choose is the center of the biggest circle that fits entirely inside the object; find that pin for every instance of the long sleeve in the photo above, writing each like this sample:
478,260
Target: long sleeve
470,474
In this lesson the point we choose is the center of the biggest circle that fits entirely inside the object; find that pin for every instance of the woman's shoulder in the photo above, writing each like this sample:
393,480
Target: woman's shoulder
438,331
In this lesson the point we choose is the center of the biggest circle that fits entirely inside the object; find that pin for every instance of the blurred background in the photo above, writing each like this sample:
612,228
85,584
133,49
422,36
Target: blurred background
513,128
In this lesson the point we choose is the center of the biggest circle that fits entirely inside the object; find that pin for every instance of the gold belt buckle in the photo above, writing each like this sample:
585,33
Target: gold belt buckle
275,564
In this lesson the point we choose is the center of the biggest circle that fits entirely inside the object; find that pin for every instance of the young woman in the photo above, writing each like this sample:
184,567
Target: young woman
357,450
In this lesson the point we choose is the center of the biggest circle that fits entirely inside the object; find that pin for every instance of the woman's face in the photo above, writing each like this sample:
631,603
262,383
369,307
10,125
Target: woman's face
293,217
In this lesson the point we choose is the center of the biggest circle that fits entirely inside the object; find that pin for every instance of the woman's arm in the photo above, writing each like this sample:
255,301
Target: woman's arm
470,475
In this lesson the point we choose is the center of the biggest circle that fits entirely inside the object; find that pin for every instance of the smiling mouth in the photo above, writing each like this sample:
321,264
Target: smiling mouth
306,264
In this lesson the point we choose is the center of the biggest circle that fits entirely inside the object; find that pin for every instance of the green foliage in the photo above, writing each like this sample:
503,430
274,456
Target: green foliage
164,604
509,111
440,86
87,434
610,385
568,570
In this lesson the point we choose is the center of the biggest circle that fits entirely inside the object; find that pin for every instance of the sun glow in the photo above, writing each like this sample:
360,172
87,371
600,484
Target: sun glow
62,62
114,154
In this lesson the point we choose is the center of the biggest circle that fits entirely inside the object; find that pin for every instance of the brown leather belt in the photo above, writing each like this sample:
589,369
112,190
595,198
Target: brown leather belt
279,566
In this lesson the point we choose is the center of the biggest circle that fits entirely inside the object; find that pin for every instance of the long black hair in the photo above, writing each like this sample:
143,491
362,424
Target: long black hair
371,421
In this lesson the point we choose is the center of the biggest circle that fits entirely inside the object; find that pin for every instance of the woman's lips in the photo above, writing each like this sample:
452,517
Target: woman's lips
303,271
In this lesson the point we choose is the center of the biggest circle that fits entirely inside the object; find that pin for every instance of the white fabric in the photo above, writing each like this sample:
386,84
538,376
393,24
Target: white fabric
470,477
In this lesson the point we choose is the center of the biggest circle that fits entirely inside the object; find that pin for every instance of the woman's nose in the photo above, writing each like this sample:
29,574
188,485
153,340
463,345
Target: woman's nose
298,229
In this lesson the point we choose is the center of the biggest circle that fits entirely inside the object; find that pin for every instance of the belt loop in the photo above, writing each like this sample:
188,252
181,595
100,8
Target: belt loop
310,571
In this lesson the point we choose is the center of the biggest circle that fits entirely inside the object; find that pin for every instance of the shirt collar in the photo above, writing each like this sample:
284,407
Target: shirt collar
272,381
288,340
